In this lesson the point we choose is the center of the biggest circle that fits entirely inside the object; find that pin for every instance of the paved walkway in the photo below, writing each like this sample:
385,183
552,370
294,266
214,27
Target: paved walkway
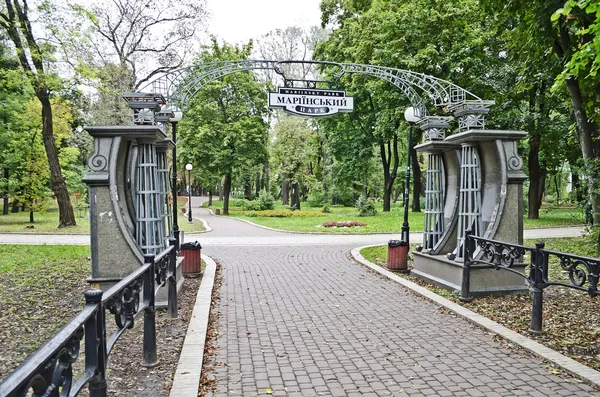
305,320
299,318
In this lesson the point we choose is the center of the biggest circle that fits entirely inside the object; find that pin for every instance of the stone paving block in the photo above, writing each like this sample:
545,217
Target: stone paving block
316,322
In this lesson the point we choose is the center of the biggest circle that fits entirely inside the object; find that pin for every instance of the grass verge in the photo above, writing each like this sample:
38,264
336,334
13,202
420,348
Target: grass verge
571,318
47,222
41,289
383,222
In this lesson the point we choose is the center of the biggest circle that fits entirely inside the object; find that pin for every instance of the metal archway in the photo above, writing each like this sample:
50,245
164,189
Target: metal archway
178,87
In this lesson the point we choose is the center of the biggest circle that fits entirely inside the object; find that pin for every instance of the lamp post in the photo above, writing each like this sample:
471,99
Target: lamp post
411,115
189,167
176,117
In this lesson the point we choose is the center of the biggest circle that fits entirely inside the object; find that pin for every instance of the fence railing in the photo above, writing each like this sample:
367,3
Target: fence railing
582,271
49,371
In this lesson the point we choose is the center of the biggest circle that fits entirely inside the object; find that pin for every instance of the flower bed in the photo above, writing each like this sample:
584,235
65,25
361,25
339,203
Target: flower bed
283,214
343,224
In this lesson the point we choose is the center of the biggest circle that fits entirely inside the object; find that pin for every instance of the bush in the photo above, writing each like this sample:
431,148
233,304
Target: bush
266,201
315,198
344,197
366,207
326,208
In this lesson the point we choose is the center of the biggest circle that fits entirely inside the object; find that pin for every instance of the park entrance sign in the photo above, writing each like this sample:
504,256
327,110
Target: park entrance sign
311,102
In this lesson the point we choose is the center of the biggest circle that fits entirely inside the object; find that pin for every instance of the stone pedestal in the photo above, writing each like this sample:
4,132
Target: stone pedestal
485,187
115,253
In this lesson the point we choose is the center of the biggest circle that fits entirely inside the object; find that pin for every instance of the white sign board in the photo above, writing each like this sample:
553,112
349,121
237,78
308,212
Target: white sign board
311,102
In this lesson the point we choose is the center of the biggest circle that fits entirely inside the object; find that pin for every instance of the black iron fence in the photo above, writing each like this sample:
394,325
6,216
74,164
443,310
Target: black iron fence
49,371
582,271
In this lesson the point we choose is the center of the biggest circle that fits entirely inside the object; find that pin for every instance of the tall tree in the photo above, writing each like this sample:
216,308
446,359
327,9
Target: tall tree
566,29
145,37
15,20
224,130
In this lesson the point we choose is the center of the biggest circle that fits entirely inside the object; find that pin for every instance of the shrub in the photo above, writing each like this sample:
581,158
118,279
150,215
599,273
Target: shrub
315,198
366,207
265,201
326,208
343,224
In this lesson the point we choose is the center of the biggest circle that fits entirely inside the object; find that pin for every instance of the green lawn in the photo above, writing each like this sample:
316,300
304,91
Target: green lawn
41,289
390,222
47,222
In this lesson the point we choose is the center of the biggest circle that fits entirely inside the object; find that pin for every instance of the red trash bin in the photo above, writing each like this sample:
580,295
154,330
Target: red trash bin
192,259
397,258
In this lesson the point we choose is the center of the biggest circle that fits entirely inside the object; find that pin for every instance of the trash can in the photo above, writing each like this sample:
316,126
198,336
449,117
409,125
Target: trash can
192,258
217,211
397,258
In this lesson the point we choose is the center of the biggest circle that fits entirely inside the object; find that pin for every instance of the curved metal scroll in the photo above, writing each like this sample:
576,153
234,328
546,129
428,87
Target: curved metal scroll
178,87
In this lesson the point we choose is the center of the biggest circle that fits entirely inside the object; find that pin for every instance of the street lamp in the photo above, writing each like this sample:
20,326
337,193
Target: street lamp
189,167
411,115
174,118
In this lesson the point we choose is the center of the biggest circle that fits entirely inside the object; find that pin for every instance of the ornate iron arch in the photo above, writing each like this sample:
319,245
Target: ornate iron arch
178,87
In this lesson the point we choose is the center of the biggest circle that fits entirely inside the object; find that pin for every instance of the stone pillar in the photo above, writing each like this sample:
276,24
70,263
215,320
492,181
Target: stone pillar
115,253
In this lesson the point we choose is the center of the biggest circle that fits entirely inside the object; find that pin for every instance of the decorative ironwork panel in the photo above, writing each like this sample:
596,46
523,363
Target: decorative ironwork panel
469,201
434,201
164,189
150,232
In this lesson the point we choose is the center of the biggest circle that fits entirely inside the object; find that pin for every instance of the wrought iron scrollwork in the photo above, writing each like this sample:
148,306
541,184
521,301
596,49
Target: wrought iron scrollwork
579,269
160,269
500,255
55,377
126,304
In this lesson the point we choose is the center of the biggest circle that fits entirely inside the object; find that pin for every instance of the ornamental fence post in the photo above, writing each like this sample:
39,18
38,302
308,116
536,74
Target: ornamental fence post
172,280
150,355
465,286
539,264
95,345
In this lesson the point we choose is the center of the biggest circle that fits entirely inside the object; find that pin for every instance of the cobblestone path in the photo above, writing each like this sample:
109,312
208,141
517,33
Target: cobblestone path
308,321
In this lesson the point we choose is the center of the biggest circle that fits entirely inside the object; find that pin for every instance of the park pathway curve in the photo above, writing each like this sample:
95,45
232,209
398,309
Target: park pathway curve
306,320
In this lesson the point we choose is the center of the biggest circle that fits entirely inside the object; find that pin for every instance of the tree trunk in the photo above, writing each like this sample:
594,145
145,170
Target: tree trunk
220,188
416,171
226,190
576,187
257,187
284,191
536,177
587,130
588,139
65,209
295,196
5,202
247,187
210,196
389,177
31,216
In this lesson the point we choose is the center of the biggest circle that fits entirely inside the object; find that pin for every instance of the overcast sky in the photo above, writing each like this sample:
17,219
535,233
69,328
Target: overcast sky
241,20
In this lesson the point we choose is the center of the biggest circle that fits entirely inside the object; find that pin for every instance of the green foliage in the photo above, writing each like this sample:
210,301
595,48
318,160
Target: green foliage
224,130
366,207
266,201
316,198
